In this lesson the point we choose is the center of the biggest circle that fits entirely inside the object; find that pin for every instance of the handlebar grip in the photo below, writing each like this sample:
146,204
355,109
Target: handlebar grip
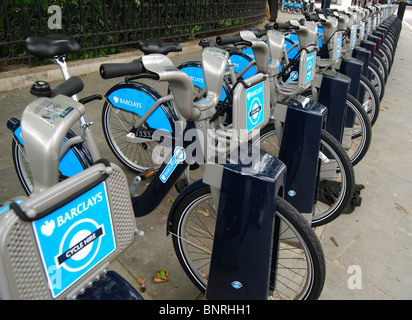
313,17
285,25
114,70
69,87
224,40
258,32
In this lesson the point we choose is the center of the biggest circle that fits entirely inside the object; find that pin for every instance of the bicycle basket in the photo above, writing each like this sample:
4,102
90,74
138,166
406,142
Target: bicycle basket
56,243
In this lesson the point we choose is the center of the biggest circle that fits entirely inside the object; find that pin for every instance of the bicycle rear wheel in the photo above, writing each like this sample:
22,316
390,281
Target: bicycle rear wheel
299,271
370,101
357,137
377,80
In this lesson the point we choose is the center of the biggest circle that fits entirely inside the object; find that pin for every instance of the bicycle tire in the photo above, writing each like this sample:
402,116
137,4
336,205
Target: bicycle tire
379,62
371,102
340,171
377,80
390,53
361,134
196,263
22,167
385,58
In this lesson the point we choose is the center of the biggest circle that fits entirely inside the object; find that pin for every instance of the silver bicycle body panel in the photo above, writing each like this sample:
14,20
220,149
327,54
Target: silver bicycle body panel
260,50
44,124
180,83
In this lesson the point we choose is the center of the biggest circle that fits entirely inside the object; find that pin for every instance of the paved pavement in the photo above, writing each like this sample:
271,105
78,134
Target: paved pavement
374,243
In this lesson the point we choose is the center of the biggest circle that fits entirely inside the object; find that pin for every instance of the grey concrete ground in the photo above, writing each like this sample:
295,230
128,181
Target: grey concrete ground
373,244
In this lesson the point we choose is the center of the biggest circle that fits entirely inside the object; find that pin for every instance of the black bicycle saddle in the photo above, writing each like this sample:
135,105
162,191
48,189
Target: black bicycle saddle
158,46
51,45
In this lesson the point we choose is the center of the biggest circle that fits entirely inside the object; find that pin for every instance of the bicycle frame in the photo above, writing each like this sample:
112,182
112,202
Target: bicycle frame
76,157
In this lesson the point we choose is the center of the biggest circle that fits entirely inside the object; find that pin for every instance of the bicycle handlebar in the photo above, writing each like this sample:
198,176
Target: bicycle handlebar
313,17
285,26
258,32
69,87
235,39
114,70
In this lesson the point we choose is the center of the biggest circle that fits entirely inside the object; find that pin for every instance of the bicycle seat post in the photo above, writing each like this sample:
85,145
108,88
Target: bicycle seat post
61,62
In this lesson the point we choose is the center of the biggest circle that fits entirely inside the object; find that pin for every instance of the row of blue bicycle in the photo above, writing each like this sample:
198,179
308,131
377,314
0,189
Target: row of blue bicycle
272,121
296,6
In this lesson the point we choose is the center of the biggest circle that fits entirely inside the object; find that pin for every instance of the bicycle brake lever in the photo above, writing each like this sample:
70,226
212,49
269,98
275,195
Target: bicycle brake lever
90,98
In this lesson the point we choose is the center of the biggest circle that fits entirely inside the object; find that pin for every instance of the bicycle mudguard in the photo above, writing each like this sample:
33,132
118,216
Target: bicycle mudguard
292,45
59,242
195,71
137,98
76,159
240,62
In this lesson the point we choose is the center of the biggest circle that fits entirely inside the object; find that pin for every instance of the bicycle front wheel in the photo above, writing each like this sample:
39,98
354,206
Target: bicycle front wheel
336,175
357,137
370,101
357,133
299,271
136,156
377,80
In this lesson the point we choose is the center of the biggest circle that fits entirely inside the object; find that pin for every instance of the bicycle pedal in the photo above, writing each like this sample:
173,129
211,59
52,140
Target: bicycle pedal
181,184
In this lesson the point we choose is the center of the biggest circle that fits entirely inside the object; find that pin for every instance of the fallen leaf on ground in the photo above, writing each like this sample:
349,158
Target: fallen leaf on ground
204,212
334,241
161,276
140,280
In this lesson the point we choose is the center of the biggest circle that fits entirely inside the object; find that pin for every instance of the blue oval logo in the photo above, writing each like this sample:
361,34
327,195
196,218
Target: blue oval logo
237,284
292,193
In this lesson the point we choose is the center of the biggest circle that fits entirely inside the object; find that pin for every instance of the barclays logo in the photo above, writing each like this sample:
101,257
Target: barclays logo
129,103
196,79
